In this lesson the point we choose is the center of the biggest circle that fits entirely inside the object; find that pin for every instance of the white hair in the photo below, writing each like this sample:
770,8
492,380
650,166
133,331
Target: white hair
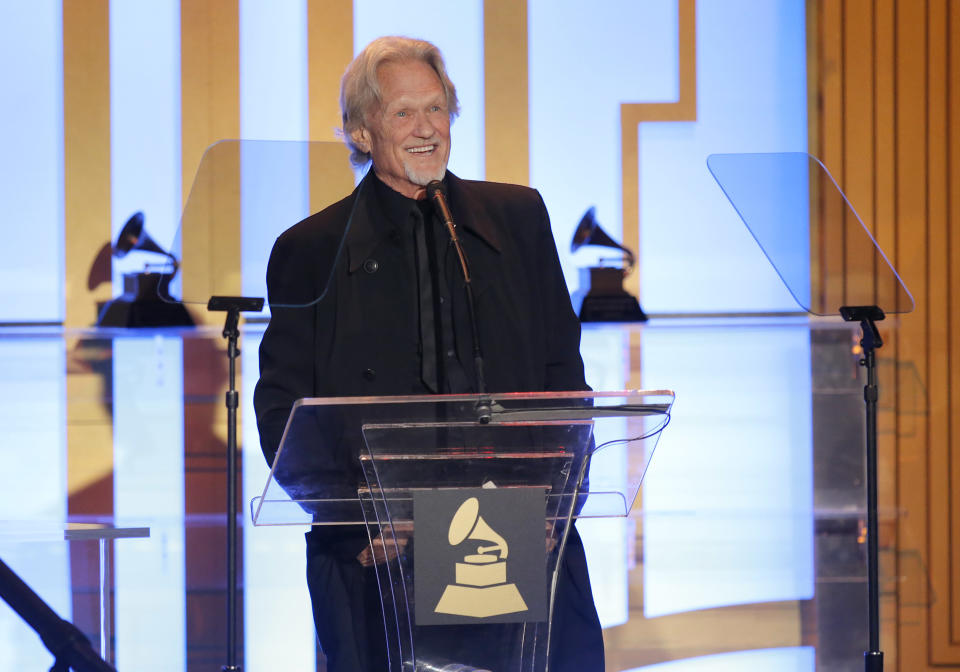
360,87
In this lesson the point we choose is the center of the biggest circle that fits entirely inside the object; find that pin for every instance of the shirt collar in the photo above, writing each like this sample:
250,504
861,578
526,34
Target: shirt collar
379,210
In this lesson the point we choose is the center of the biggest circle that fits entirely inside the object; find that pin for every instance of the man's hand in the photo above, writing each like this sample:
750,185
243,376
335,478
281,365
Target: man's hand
382,550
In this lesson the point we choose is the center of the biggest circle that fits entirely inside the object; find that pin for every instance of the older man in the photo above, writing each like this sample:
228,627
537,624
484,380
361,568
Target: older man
393,320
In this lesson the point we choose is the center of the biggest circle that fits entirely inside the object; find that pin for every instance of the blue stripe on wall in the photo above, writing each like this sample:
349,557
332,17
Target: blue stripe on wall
144,123
31,161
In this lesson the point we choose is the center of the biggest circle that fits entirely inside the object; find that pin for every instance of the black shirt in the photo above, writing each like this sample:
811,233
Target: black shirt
441,270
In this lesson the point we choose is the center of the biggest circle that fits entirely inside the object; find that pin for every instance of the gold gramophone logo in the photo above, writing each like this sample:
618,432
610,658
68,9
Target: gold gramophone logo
481,589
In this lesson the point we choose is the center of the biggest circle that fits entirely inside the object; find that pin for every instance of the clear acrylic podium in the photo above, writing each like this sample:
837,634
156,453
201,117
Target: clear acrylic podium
371,460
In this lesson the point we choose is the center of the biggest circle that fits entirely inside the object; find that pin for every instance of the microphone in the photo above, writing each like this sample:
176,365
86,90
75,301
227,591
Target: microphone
435,192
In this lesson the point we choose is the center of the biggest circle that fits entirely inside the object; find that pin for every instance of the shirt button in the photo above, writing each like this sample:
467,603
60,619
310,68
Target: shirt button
450,353
369,374
441,299
371,265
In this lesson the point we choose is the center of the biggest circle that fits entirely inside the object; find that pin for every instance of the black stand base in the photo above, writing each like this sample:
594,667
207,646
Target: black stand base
873,661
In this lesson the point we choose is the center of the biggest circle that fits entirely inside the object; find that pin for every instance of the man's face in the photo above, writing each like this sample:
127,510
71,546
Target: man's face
408,135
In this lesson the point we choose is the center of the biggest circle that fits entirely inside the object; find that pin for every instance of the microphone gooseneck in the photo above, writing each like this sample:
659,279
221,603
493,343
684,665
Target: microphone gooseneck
435,192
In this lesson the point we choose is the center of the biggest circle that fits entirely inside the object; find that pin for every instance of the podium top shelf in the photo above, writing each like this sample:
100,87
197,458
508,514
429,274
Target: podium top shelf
660,398
334,447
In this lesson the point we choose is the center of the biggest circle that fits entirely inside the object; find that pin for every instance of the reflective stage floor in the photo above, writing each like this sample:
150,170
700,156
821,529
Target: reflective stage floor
744,551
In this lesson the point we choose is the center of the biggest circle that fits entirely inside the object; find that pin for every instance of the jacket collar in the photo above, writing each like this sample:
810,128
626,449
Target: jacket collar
469,212
369,223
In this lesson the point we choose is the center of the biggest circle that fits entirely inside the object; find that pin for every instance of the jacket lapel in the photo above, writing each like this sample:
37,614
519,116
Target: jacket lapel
365,225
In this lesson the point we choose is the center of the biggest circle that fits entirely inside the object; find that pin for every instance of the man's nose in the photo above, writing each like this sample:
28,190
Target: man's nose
423,128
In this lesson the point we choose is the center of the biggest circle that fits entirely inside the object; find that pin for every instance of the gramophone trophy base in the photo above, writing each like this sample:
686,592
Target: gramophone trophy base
481,602
141,304
602,298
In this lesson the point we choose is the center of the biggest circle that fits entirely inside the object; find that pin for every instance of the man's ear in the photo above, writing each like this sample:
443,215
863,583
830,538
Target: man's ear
361,138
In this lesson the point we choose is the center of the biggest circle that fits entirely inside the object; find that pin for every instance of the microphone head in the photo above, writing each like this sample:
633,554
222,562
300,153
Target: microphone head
435,187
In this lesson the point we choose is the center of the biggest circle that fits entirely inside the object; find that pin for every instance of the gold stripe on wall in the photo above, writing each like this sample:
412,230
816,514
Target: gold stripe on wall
210,111
209,79
506,93
330,50
632,114
86,152
211,235
86,148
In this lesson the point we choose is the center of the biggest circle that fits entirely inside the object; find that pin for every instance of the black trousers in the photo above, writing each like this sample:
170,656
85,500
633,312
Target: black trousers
349,623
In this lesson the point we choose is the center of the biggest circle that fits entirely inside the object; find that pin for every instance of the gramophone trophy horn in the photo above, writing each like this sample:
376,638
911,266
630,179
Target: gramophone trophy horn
133,237
589,232
467,523
601,296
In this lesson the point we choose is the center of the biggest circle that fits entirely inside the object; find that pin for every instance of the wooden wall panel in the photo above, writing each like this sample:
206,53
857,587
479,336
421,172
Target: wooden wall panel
938,491
829,245
858,127
888,116
953,288
911,235
883,171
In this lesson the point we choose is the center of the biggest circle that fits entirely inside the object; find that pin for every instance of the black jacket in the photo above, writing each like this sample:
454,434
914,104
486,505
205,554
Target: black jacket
361,337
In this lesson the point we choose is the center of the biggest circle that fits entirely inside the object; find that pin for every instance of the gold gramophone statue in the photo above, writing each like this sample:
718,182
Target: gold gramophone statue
146,300
601,296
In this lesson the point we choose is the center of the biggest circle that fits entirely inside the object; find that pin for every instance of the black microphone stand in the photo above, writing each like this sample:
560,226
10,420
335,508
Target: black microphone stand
70,648
233,305
484,405
870,340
